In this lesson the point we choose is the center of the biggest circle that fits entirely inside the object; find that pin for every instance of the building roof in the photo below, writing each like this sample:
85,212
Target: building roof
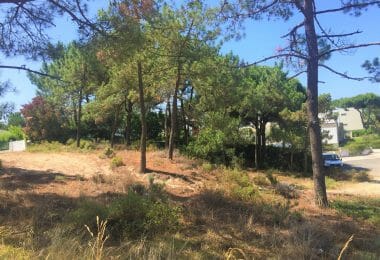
349,118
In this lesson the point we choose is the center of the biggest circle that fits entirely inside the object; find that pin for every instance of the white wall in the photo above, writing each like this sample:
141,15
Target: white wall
332,134
17,146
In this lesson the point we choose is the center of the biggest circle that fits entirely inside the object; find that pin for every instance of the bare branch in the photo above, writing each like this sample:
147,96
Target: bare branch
344,75
31,71
293,30
339,35
276,57
297,74
348,48
346,7
82,22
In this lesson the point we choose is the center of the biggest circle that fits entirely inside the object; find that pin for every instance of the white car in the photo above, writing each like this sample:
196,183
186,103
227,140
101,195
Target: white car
332,160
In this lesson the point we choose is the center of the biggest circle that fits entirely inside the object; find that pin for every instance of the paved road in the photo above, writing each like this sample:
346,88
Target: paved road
370,162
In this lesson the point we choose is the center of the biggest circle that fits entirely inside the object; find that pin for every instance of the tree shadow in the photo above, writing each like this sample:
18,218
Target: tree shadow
174,175
13,178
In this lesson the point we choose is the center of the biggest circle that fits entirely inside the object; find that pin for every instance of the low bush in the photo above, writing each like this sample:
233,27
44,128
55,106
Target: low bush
117,162
109,152
207,167
367,209
286,190
47,147
87,145
239,185
131,216
261,180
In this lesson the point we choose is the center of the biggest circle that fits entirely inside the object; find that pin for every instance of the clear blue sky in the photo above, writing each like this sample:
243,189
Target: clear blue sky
262,39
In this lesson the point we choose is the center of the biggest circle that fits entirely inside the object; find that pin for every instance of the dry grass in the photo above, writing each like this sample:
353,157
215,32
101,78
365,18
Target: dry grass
225,213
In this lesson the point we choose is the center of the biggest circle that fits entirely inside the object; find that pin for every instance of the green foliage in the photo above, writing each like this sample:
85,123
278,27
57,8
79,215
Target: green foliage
117,162
86,145
12,134
109,152
85,214
47,147
16,119
367,209
358,144
209,145
207,167
241,187
364,132
133,215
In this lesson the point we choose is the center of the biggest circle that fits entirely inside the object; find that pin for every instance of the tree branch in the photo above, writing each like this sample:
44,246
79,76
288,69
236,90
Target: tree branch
346,7
31,71
348,47
297,74
275,57
344,75
339,35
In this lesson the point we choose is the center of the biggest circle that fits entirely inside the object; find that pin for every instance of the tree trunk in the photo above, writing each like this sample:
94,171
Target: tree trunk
79,117
128,126
257,146
167,123
173,130
143,120
185,133
312,107
263,141
114,127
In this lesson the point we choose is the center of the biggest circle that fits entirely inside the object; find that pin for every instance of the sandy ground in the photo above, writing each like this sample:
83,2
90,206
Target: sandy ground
60,172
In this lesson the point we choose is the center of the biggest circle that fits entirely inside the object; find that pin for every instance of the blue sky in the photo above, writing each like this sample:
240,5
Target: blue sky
261,40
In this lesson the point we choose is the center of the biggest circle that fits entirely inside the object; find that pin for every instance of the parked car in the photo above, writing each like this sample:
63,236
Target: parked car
332,160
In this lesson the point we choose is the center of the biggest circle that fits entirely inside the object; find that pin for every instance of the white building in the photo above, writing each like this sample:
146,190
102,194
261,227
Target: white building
337,127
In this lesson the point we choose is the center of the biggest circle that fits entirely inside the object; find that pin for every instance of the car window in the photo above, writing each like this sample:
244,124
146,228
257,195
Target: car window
330,157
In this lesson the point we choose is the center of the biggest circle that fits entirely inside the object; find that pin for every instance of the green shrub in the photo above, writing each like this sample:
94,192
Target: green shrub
135,215
12,134
47,147
209,145
85,214
109,152
117,162
86,145
241,187
132,216
207,167
273,180
363,209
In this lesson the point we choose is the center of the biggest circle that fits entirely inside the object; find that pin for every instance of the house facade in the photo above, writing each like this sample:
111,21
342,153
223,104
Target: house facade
339,125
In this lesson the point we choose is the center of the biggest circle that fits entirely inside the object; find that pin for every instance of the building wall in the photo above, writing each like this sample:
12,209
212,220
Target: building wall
331,130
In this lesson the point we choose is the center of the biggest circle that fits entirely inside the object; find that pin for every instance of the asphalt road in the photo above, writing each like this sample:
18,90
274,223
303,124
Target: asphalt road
370,162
